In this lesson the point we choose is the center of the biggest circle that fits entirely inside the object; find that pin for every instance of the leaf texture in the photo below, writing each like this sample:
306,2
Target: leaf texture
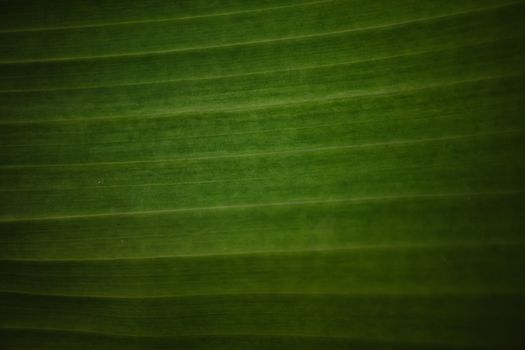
279,174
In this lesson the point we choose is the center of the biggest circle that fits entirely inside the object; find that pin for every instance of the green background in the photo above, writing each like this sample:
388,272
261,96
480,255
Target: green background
273,174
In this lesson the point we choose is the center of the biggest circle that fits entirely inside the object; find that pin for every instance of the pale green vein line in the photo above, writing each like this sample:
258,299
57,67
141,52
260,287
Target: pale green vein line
303,337
180,137
272,153
391,91
287,335
11,219
153,184
124,237
256,73
135,336
240,75
292,252
258,42
450,292
159,20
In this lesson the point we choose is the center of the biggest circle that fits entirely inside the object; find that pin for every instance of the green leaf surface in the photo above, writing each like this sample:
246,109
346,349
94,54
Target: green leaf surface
274,174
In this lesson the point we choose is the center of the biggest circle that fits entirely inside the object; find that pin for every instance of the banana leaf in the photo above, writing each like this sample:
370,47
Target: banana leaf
272,174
